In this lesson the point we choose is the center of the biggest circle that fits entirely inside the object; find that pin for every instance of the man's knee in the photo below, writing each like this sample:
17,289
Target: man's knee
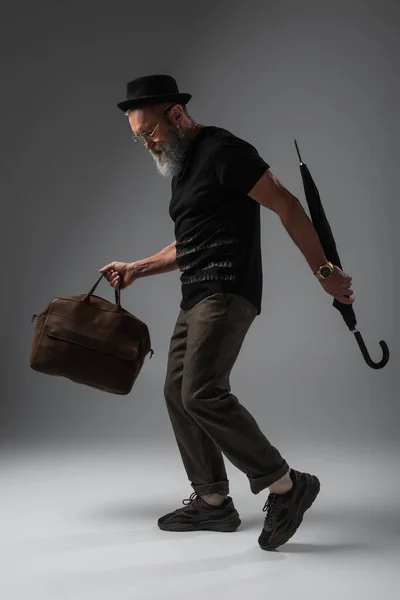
196,399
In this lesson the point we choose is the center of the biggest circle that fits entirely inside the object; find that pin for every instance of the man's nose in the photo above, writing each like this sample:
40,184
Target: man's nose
149,144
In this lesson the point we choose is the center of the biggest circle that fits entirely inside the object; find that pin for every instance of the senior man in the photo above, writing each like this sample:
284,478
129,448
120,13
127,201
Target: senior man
219,183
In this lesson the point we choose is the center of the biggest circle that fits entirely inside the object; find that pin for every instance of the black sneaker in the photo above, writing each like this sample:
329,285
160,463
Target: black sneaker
197,515
285,511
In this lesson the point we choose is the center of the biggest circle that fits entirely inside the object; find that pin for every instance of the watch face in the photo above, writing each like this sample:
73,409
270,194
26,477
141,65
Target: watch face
325,271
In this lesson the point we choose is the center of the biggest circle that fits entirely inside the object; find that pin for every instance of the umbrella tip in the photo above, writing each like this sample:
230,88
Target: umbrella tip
298,151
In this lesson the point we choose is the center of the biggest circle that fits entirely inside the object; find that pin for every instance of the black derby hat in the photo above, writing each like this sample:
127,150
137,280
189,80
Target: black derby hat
152,89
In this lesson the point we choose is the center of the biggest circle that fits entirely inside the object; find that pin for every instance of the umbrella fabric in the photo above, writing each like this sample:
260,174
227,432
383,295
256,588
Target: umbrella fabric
328,243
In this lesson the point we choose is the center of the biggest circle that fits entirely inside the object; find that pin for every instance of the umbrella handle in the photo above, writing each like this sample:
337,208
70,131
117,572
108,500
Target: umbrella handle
365,353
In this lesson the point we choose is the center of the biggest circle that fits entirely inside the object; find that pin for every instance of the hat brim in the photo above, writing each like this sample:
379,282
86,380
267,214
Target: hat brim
136,103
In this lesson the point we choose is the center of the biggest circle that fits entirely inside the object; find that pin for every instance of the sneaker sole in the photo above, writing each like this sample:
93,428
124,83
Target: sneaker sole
307,502
226,526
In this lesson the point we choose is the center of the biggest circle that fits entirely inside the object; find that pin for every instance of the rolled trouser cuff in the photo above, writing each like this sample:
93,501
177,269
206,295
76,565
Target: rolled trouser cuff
216,487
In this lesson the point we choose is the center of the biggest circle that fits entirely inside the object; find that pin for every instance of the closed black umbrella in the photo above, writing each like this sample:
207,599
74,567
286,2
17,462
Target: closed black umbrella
324,231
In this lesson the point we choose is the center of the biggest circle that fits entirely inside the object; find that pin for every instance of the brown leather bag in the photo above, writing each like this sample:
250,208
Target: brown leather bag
89,340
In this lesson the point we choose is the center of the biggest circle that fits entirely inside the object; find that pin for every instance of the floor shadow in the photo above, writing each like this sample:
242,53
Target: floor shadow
293,548
80,576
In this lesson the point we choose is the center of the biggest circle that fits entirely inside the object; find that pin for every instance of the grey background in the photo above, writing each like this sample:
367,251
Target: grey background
76,194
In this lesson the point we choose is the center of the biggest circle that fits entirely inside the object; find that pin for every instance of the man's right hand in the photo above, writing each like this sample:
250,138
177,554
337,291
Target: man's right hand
338,285
119,274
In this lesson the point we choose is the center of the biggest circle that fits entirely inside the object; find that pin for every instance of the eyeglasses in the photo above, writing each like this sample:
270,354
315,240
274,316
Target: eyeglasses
148,137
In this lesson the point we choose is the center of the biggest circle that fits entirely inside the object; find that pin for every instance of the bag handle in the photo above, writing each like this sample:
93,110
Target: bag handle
117,293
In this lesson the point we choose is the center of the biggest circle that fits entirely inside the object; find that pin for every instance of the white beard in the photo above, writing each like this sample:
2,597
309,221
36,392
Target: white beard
171,158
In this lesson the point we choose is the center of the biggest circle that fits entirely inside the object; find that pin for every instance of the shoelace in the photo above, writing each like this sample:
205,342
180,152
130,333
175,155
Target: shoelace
191,499
269,508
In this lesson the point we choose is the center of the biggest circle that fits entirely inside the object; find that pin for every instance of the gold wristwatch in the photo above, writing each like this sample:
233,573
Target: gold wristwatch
324,271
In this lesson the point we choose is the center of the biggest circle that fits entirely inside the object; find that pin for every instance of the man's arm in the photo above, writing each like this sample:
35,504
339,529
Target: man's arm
269,192
162,262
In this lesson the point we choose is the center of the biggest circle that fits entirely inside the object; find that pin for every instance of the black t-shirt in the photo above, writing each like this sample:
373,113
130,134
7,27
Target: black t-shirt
217,225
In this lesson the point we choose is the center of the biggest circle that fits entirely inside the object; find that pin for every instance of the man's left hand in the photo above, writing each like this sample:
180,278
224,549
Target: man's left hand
338,285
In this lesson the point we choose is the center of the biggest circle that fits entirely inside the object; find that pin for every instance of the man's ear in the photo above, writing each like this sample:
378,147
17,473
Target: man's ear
176,114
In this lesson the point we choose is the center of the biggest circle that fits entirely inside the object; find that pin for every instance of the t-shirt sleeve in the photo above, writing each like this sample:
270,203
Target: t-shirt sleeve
237,164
